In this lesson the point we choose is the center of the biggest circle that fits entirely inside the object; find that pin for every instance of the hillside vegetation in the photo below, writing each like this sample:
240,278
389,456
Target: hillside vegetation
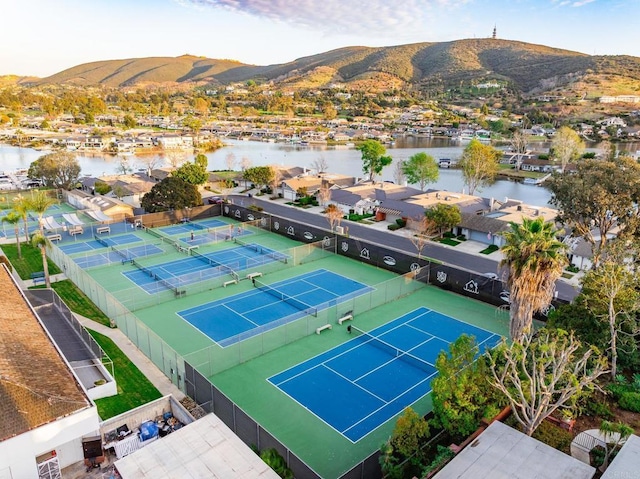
527,67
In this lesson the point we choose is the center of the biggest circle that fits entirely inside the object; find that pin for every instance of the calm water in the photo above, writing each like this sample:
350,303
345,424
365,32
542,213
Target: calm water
339,159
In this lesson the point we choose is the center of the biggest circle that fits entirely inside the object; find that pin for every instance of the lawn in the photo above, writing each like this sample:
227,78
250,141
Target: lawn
134,389
30,262
79,302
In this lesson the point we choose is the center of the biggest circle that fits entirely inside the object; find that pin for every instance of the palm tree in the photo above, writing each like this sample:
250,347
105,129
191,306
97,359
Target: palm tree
535,260
39,203
14,218
40,241
22,207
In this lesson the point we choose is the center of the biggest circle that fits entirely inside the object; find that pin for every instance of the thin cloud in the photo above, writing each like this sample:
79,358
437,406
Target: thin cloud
375,17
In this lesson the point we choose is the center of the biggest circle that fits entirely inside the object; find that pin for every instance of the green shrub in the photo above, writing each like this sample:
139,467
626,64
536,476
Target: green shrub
543,156
572,268
554,436
401,223
449,234
597,408
255,208
489,249
630,401
393,227
449,241
461,238
442,457
276,462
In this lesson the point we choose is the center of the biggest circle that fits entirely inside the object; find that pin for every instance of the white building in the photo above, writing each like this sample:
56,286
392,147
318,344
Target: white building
45,410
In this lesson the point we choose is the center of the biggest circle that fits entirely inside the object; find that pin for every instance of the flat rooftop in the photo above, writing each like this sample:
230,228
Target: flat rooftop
501,452
204,448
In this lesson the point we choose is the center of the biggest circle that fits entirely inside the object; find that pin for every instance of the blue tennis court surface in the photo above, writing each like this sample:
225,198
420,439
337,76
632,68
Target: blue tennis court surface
361,384
244,315
83,246
192,226
112,256
201,267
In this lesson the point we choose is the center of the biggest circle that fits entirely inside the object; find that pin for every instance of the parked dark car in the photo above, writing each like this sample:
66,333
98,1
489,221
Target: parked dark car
215,200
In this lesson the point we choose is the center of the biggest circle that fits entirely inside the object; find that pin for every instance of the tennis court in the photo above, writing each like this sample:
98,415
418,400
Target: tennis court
358,386
247,314
99,242
192,226
117,255
200,267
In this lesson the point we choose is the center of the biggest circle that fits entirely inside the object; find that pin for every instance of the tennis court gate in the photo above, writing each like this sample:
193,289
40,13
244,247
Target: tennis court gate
211,399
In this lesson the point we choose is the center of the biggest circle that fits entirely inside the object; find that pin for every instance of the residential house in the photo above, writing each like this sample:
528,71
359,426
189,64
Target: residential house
367,193
312,183
169,142
44,408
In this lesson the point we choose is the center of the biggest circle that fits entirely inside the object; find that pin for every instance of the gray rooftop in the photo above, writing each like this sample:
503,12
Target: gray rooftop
501,452
627,463
204,448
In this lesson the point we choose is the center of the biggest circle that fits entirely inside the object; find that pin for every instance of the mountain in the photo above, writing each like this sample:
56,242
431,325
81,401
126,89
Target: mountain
526,66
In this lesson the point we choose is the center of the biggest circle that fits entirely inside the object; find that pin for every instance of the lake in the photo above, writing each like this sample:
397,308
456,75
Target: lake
341,160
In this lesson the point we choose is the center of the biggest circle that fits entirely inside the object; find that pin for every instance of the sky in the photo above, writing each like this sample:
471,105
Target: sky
43,37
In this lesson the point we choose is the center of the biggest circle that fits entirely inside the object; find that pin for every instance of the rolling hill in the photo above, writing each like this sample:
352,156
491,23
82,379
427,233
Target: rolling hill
526,66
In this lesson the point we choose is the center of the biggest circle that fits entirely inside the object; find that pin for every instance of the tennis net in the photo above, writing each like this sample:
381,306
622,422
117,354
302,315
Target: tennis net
101,241
391,350
121,253
197,226
269,253
153,232
251,246
215,264
167,284
301,305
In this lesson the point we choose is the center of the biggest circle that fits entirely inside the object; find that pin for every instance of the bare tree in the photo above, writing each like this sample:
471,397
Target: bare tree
324,193
150,163
543,373
175,157
276,179
245,163
398,173
423,228
230,161
334,215
320,165
518,144
123,167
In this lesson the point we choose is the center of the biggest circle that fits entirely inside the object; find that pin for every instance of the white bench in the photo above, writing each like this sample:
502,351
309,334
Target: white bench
76,230
254,275
231,281
319,329
54,237
103,229
346,317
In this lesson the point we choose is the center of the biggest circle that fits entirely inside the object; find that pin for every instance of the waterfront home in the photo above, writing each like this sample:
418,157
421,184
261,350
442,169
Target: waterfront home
290,187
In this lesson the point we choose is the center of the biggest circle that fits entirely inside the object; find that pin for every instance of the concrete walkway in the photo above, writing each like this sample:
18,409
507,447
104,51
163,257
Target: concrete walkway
137,357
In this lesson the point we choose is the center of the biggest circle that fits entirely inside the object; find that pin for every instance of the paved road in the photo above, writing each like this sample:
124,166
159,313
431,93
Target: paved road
450,256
